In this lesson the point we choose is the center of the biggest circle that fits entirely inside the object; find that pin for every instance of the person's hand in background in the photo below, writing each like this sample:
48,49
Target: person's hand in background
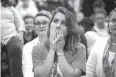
20,36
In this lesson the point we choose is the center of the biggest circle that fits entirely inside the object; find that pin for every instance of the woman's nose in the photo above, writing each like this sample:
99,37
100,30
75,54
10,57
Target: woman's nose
58,26
41,25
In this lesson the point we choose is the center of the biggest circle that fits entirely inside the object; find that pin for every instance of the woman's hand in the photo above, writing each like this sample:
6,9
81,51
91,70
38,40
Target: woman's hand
54,39
60,44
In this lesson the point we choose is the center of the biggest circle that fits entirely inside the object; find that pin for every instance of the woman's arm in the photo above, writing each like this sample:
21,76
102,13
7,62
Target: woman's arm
77,66
43,69
91,62
67,70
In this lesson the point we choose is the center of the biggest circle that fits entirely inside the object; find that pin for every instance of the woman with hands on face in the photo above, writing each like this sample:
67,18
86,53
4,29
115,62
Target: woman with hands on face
62,55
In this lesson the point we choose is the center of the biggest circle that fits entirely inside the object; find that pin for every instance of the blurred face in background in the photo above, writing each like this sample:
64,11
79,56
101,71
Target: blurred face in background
58,22
112,24
41,24
79,17
100,20
29,24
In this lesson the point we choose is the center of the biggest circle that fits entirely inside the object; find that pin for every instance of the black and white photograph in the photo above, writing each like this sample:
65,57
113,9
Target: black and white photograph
58,38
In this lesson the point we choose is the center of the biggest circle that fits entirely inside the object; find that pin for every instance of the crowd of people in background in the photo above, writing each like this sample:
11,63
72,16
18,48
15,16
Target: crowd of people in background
53,38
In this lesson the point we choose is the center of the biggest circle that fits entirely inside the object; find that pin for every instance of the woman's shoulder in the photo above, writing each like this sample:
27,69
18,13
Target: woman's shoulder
38,49
90,33
100,45
102,40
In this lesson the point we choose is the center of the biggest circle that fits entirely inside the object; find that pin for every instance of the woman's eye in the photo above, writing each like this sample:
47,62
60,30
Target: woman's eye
63,23
55,21
38,23
44,22
113,20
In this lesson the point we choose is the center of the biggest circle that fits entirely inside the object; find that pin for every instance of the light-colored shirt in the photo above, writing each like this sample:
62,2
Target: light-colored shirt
11,23
27,65
91,37
102,32
94,65
76,59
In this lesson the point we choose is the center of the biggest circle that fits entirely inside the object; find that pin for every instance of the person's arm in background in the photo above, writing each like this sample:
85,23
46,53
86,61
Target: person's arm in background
42,69
19,23
91,63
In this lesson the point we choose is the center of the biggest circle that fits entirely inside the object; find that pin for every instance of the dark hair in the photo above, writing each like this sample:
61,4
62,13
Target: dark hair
102,12
27,16
43,13
5,3
73,35
87,23
98,3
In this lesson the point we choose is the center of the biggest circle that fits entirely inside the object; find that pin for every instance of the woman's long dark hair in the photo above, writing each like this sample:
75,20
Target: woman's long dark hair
73,35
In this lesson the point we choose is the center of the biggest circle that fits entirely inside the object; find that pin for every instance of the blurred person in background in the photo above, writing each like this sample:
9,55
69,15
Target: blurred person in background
41,25
86,26
12,28
62,55
29,25
98,5
101,27
41,4
79,16
102,59
27,7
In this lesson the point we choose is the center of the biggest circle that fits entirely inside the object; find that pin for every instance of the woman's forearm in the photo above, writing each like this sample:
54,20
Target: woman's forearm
66,69
46,68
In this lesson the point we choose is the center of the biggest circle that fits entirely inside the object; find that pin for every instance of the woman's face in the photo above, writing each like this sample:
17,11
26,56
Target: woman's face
41,24
79,17
100,18
59,22
112,24
29,24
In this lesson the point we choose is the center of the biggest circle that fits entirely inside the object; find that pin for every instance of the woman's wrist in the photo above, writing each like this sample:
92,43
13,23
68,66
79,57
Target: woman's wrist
60,53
